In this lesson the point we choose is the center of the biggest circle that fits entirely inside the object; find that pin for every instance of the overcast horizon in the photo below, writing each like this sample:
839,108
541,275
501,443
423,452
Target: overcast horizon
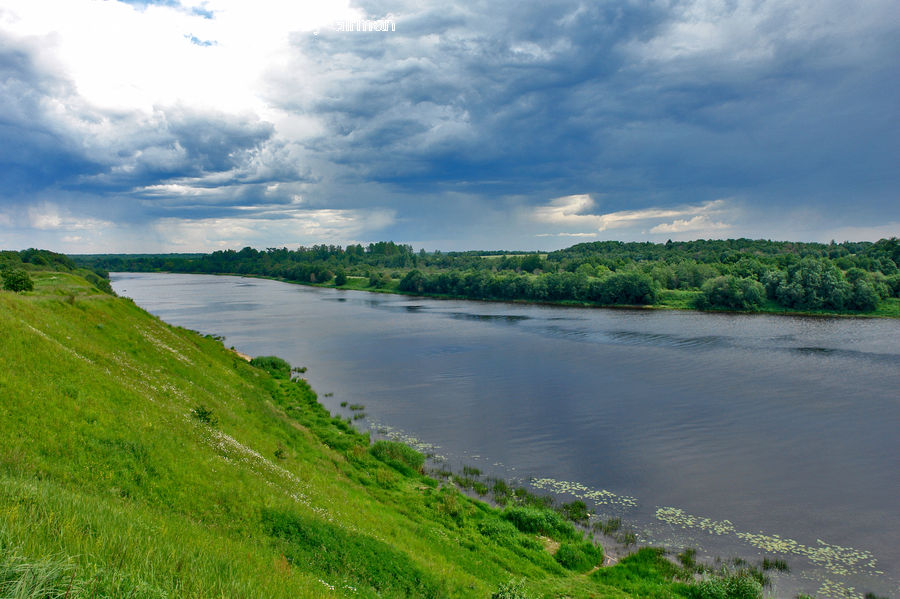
167,126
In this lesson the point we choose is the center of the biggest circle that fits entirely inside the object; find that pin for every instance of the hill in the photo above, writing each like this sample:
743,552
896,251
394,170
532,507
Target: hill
144,460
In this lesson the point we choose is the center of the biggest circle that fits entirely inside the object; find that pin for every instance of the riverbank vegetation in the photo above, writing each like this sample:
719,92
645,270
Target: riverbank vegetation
734,274
144,460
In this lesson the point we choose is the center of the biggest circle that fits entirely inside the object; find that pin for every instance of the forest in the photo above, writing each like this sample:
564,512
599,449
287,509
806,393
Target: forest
733,274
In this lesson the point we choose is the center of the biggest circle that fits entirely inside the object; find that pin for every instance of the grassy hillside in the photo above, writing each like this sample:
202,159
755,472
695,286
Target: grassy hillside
143,460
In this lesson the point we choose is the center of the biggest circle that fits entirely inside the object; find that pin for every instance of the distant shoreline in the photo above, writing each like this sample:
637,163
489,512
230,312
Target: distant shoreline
349,286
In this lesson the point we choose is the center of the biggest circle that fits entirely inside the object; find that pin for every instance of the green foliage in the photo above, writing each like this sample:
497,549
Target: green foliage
17,280
646,574
731,293
471,471
537,520
627,288
797,276
579,556
100,282
611,526
400,456
413,282
531,263
46,579
575,511
275,366
733,587
204,415
688,559
373,567
775,564
514,589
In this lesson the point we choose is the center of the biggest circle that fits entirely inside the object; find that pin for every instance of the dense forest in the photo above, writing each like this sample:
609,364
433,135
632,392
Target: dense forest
733,274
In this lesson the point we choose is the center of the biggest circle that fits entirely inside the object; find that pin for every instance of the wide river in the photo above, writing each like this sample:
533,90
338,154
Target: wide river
742,435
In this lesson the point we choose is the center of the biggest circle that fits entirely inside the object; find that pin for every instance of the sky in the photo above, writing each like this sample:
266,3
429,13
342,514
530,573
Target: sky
197,125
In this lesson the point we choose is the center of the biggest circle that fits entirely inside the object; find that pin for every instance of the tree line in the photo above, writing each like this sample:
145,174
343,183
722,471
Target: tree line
734,274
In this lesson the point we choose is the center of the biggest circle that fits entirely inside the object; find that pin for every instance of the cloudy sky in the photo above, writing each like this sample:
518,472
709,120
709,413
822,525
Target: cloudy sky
133,126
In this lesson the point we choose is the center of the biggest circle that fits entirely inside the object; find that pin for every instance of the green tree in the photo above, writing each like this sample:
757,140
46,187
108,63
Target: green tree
731,293
340,278
531,263
17,280
413,282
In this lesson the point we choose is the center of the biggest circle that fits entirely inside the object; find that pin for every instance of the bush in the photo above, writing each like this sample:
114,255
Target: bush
204,415
626,288
499,530
340,278
733,587
538,521
731,293
579,557
17,280
274,365
413,282
576,511
400,456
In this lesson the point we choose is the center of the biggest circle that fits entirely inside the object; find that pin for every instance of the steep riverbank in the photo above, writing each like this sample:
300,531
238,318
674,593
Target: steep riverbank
145,460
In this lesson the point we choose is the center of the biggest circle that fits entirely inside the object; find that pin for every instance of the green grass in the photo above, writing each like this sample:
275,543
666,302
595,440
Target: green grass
144,460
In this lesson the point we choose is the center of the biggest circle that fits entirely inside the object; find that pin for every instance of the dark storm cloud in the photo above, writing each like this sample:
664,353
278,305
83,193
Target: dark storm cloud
557,98
468,117
33,149
80,152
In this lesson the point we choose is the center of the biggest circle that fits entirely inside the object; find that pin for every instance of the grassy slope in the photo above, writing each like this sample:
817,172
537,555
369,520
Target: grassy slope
110,488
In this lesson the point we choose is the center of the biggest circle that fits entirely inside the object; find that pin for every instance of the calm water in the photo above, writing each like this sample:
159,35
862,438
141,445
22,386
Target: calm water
706,430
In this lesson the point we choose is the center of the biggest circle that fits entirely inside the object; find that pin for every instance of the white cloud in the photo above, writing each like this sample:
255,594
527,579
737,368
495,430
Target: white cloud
279,228
50,217
125,57
701,222
750,31
568,210
573,211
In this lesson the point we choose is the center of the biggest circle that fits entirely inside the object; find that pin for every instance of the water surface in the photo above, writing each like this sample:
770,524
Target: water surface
744,435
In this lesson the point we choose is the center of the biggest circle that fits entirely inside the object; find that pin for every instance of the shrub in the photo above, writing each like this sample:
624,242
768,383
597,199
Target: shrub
731,293
623,288
340,278
274,365
579,557
17,280
498,530
732,587
204,415
576,511
538,521
400,456
413,282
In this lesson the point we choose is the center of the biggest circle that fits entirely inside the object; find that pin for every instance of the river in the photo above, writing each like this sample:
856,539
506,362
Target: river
741,435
